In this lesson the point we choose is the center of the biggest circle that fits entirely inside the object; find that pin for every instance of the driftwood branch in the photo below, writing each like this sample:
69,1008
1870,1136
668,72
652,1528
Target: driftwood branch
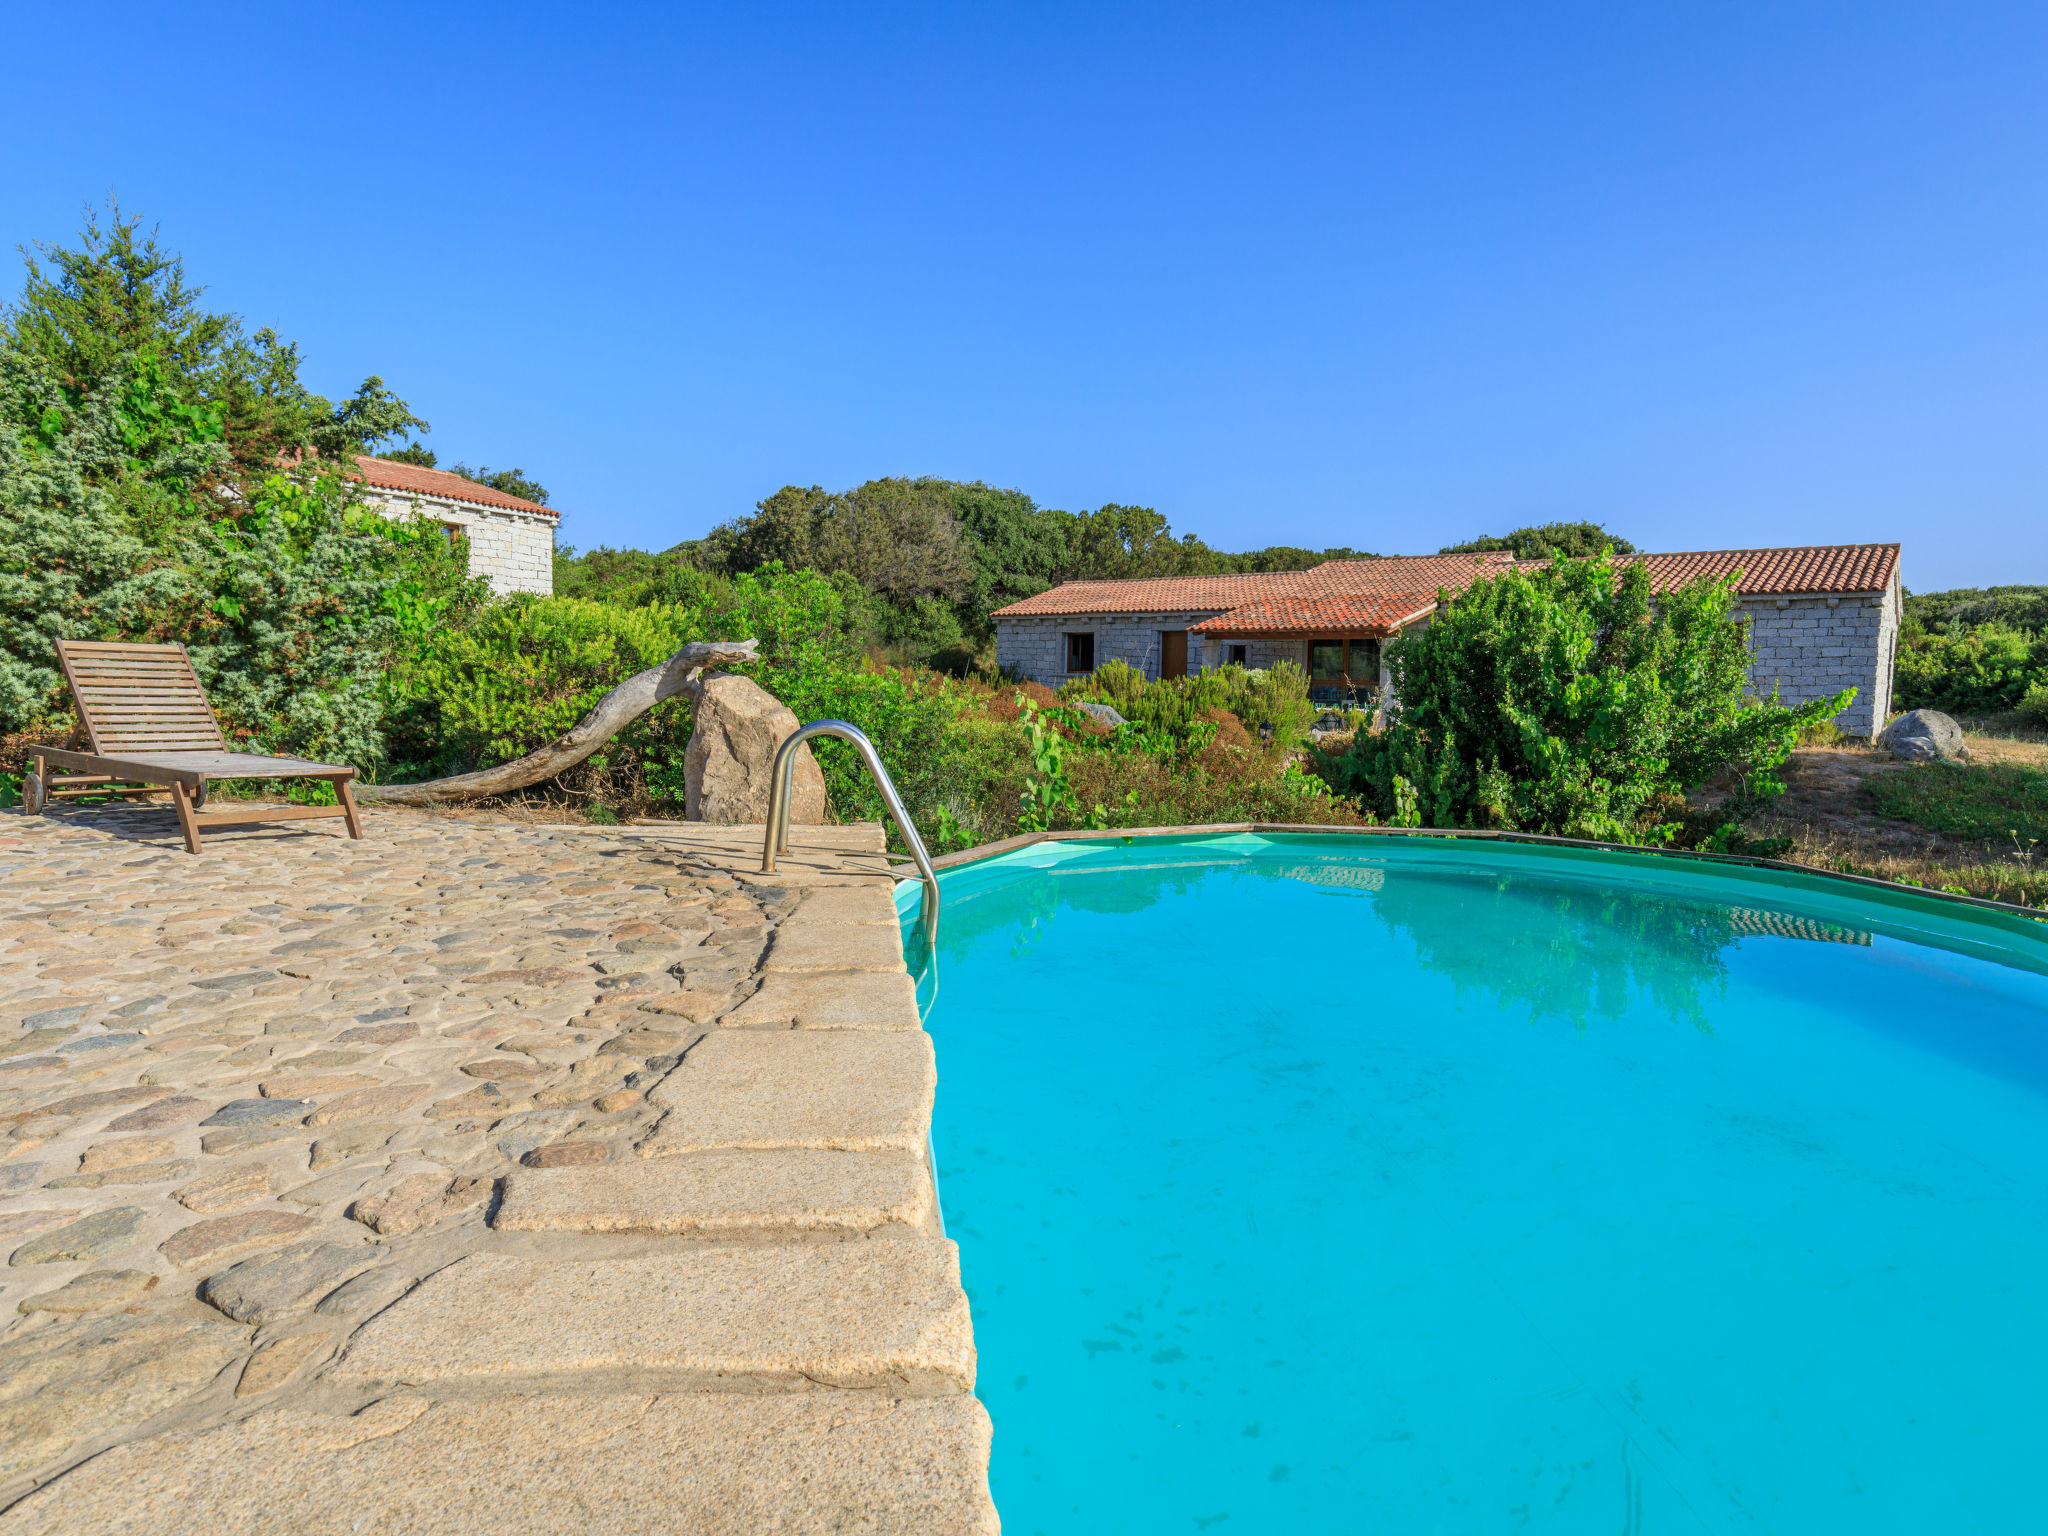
681,673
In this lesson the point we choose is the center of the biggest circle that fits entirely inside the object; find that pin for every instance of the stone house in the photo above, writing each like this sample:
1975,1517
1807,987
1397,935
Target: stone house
1821,618
511,541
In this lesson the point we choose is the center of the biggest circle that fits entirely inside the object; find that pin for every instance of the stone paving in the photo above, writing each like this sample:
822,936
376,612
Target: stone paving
474,1176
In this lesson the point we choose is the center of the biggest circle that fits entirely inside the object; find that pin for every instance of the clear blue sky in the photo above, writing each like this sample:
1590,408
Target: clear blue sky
1381,276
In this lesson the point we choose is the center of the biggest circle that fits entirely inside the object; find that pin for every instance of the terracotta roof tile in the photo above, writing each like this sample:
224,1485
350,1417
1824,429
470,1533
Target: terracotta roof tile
1157,594
1410,573
1818,568
1375,597
1344,614
412,479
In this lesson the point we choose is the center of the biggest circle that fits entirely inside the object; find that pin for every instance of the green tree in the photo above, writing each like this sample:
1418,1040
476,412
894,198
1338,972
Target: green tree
1288,557
1016,547
118,303
86,310
161,477
2021,607
780,530
512,482
1575,699
610,575
1546,541
72,565
1117,542
897,538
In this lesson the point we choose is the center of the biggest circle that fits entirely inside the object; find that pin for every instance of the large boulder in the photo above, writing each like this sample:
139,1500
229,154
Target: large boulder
1925,736
726,768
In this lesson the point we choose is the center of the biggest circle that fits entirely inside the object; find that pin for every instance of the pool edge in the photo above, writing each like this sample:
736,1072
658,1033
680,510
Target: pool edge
1005,845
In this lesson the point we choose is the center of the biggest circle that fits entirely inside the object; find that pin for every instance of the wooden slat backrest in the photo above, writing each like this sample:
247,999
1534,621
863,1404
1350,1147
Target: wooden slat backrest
139,698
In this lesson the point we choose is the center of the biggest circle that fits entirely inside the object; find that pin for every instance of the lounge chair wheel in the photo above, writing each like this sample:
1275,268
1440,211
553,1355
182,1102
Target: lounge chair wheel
31,795
199,796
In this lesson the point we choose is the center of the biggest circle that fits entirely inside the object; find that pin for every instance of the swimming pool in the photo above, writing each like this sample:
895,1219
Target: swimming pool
1356,1184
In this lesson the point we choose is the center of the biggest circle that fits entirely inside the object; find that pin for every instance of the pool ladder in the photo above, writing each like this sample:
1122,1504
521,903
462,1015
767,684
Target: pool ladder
779,781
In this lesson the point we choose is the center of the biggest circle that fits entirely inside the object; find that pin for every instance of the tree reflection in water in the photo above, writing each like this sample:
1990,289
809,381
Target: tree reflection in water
1557,948
1560,949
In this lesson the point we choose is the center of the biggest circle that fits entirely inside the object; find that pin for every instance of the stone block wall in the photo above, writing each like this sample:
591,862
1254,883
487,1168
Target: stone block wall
516,550
1038,646
1810,647
1257,652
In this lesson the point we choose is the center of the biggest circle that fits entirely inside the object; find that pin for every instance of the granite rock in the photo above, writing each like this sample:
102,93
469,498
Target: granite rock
739,727
831,1090
130,1173
206,1243
277,1362
884,999
93,1291
873,1314
90,1237
261,1290
62,1384
709,1465
226,1189
125,1154
1925,736
242,1112
722,1192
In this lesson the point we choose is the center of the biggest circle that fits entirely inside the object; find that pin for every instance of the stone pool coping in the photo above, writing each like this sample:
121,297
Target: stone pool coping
1005,845
676,1264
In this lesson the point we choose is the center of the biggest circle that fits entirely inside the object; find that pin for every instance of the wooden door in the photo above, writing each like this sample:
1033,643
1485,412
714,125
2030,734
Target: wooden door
1173,653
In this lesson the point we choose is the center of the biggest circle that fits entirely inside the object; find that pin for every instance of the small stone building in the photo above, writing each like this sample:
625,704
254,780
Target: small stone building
1821,618
510,540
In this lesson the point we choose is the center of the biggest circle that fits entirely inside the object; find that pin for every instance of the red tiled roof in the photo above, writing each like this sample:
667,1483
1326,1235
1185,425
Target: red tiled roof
1818,568
1410,573
1348,613
1156,594
1376,597
413,480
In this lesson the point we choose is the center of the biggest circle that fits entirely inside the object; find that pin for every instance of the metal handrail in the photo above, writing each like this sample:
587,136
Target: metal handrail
779,781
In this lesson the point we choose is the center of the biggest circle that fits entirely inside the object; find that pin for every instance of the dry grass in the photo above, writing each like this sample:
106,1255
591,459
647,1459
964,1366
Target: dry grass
1829,817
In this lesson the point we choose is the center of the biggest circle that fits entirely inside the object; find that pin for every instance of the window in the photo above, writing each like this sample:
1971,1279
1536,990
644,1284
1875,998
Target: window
1081,653
454,532
1237,655
1334,661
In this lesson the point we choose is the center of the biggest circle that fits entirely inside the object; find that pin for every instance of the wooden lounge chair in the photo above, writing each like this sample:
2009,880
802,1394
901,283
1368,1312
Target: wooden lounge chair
151,728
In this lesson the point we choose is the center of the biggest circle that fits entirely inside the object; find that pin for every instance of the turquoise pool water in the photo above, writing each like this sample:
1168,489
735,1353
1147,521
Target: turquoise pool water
1346,1185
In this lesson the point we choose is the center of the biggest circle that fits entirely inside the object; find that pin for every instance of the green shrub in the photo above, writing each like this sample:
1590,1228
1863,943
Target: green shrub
1572,700
1180,709
2020,607
527,669
2033,705
1970,671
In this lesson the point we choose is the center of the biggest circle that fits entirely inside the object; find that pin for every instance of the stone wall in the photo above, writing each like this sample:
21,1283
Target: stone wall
1810,647
516,550
1257,653
1038,646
